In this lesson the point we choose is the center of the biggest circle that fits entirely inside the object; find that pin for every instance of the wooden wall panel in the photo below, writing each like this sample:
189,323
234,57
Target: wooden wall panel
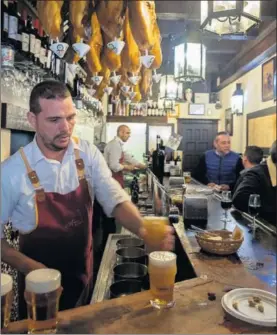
262,131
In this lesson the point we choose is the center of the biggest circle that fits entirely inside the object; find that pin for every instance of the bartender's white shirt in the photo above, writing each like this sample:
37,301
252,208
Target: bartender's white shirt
17,192
113,152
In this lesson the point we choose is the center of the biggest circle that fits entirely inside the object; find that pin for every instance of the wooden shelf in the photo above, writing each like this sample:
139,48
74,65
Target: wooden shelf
138,119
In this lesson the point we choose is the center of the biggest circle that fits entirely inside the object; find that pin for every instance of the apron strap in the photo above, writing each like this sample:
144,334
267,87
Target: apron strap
79,161
33,177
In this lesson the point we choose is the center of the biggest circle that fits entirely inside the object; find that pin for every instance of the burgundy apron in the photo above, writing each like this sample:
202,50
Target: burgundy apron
119,175
62,238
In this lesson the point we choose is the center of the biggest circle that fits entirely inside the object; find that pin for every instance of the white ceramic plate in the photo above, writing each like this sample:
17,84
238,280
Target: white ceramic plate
251,314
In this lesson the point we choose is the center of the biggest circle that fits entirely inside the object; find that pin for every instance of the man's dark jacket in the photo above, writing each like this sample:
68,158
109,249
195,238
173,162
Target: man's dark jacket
257,181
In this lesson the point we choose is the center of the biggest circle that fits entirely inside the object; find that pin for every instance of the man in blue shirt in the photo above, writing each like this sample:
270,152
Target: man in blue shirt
220,167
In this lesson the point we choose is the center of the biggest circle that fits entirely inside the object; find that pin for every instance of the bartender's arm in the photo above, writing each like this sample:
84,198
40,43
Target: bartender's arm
10,255
131,160
116,202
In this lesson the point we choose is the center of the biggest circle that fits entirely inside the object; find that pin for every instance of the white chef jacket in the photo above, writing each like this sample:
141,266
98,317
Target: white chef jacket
17,192
113,152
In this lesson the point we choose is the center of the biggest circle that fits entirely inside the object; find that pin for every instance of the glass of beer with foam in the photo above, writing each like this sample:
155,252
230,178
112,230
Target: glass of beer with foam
162,271
187,177
155,229
6,299
42,295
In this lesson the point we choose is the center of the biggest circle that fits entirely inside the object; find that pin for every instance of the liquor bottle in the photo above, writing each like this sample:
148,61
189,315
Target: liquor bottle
49,54
158,160
21,24
4,21
24,30
37,43
32,41
42,54
110,106
13,23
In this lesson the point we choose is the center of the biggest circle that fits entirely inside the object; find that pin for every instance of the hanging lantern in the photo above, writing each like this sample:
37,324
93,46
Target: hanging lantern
237,100
170,91
190,62
229,17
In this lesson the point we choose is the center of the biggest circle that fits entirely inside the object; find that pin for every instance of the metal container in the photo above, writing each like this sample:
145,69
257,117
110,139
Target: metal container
130,242
124,287
132,271
131,254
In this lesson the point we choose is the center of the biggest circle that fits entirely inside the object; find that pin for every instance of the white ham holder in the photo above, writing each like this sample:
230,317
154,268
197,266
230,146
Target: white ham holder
59,48
81,48
156,76
116,46
125,88
115,79
147,60
108,90
97,79
134,80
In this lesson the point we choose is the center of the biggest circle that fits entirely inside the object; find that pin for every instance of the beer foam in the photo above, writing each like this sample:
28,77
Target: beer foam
43,280
162,258
6,283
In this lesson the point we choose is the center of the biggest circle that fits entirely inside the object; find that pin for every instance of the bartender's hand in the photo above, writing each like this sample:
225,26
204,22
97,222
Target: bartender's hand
167,244
141,166
224,187
211,185
129,167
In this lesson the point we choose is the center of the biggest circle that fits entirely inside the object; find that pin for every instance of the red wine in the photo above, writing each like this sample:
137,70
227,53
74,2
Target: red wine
254,210
226,204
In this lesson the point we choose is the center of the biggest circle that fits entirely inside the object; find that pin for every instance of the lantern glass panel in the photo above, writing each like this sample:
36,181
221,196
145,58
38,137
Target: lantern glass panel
171,88
220,6
179,60
204,11
163,86
193,57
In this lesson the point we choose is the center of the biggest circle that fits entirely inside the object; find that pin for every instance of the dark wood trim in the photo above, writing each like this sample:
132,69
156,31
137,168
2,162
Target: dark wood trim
251,57
198,120
156,124
138,119
254,115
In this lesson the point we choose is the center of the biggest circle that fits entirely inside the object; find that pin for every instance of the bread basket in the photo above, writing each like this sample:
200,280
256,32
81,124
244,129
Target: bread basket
226,246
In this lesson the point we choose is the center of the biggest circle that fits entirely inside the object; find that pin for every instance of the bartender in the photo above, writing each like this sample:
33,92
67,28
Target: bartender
47,192
117,158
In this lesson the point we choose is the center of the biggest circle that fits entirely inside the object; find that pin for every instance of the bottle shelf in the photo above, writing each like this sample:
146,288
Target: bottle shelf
137,119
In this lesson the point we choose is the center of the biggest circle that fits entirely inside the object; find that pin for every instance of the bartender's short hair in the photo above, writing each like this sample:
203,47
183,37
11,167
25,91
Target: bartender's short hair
254,154
48,89
122,126
273,152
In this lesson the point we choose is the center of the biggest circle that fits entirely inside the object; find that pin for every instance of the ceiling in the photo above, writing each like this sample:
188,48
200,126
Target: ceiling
179,20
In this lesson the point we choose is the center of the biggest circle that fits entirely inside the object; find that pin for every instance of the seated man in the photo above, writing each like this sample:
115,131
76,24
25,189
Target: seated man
220,167
252,156
261,179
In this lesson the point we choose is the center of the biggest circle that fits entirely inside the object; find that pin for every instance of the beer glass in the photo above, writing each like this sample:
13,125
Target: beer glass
187,177
42,295
156,229
162,271
6,299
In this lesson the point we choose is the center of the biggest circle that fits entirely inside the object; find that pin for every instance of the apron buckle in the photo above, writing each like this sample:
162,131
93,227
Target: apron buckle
40,195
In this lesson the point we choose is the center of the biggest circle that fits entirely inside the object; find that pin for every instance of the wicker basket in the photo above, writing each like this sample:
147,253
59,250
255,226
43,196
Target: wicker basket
227,246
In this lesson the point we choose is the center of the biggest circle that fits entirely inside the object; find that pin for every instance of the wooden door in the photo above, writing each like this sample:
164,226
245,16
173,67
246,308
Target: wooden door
198,136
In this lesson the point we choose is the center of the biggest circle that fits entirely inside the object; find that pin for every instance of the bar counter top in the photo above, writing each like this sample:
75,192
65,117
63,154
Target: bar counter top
192,314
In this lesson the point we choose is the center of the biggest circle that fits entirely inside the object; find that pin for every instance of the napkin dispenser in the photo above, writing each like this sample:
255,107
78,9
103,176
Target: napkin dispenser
195,210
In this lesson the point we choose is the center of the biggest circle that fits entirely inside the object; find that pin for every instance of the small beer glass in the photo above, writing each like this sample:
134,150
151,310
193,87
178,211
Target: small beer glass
162,271
156,229
42,295
6,299
187,177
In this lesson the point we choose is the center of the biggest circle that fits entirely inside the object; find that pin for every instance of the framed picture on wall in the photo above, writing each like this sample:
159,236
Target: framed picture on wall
196,109
268,70
229,121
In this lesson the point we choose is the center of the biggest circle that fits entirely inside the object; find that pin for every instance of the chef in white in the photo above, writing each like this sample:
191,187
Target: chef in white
117,158
47,192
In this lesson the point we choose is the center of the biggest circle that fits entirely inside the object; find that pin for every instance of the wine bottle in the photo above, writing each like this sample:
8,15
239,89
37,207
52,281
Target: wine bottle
32,41
37,43
13,23
4,21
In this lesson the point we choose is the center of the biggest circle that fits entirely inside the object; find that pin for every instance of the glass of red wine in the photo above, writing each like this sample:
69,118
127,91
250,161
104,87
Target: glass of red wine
254,205
226,204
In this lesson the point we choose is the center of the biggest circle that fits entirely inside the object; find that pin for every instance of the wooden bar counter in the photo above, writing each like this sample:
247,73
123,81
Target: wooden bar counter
192,314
